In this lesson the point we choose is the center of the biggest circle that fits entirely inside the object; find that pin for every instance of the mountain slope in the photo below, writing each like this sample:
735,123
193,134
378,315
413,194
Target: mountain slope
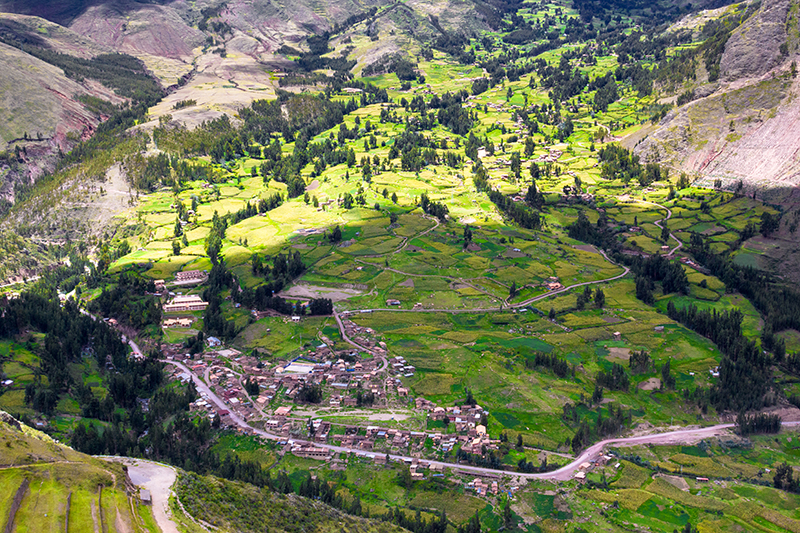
53,115
741,128
47,486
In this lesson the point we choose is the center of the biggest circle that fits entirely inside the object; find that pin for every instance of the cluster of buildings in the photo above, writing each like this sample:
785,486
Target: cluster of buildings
363,336
400,366
485,485
191,277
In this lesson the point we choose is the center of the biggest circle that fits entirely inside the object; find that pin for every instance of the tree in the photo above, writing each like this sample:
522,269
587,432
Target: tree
467,235
516,165
784,478
347,201
519,442
404,478
176,247
769,224
597,395
394,197
512,292
533,197
552,314
599,298
335,236
667,379
664,233
508,518
251,386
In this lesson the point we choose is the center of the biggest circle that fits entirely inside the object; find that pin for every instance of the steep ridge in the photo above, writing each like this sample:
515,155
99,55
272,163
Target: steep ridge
52,116
742,128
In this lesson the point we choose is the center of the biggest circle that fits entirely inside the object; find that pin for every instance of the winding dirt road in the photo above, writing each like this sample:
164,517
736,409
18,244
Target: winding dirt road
658,224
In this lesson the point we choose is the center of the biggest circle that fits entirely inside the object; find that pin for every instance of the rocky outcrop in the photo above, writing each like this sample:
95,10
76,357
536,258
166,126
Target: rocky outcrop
755,47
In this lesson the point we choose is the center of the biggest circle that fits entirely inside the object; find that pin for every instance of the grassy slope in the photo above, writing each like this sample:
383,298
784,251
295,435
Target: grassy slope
55,473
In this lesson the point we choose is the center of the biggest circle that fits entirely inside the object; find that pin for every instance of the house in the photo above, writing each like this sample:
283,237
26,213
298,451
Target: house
191,276
185,303
295,319
213,342
144,495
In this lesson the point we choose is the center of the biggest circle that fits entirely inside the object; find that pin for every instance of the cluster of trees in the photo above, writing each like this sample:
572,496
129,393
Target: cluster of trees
656,268
586,297
560,367
128,301
615,379
597,234
517,212
309,394
778,304
430,207
617,162
744,373
784,479
252,209
588,432
320,306
757,423
640,362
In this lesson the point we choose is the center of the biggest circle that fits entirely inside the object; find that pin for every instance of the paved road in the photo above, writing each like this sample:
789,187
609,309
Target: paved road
564,473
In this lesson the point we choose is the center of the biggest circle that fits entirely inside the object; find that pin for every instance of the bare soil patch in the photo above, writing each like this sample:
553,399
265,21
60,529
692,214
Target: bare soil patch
714,230
310,291
586,248
650,384
407,283
619,354
413,249
612,319
313,185
473,247
676,481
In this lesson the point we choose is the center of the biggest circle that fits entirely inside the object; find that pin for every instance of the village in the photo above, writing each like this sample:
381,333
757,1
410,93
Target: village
328,404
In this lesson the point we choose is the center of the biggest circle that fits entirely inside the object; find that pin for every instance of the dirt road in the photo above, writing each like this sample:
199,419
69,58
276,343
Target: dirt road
158,479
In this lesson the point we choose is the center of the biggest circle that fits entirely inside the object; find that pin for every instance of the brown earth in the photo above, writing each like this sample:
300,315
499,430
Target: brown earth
650,384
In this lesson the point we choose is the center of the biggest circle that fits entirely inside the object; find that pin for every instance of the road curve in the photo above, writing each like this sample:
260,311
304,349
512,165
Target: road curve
158,479
562,474
658,224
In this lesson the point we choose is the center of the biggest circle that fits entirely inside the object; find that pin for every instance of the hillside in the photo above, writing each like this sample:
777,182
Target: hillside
47,486
742,126
238,507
